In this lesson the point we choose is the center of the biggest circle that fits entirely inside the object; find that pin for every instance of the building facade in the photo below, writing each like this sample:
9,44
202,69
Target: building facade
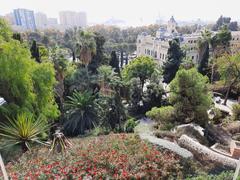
70,19
41,20
25,18
157,47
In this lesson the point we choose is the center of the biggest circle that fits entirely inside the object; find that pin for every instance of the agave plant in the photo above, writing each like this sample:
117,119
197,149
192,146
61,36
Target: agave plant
24,130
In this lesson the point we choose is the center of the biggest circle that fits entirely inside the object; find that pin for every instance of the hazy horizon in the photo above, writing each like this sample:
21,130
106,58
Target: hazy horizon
133,12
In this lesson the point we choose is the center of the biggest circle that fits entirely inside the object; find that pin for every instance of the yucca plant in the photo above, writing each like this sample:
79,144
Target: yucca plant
24,130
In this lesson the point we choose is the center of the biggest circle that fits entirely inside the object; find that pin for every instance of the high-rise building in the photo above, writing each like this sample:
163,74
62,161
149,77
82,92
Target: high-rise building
41,20
52,22
82,19
71,18
25,18
10,18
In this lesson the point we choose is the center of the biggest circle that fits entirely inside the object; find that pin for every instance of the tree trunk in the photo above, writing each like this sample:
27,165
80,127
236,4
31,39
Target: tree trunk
227,94
204,153
24,147
212,74
73,56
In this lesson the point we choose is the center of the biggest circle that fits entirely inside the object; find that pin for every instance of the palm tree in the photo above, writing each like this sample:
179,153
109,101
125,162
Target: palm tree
203,50
71,40
86,47
81,114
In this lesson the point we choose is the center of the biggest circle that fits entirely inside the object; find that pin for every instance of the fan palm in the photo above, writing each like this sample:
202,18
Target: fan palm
71,39
80,113
23,130
87,47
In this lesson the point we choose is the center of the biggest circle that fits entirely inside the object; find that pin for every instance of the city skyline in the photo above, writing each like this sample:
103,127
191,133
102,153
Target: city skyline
132,12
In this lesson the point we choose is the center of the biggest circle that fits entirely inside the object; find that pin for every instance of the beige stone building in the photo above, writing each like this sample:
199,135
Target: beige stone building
157,47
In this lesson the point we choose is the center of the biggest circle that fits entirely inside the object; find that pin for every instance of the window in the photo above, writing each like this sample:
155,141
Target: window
163,56
192,57
160,56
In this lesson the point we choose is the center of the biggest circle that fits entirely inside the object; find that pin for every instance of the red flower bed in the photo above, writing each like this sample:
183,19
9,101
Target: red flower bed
116,156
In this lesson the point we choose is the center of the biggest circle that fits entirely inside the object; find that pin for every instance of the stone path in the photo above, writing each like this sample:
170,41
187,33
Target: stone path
144,129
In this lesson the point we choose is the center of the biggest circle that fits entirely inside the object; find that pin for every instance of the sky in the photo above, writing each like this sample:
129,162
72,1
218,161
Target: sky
133,12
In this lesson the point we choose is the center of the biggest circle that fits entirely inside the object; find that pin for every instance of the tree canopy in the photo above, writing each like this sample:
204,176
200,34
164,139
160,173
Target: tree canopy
190,97
141,67
174,59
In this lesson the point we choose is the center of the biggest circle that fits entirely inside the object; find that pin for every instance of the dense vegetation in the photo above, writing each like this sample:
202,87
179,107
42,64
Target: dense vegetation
76,83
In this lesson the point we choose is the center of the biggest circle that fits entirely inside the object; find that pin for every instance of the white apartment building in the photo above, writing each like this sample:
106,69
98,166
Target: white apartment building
71,19
41,20
157,47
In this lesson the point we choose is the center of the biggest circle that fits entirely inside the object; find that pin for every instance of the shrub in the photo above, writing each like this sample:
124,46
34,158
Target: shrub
236,111
162,114
100,131
217,116
129,125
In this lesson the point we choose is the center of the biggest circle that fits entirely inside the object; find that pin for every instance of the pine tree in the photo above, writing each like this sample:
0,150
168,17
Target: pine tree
114,62
35,52
171,66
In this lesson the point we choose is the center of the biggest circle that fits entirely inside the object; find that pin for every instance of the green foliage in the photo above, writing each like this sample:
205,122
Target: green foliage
236,112
111,112
203,49
141,67
217,115
152,96
43,77
229,70
225,175
129,125
190,96
26,85
24,130
99,58
35,51
86,46
162,115
135,94
5,31
100,130
114,62
225,21
175,56
221,41
80,113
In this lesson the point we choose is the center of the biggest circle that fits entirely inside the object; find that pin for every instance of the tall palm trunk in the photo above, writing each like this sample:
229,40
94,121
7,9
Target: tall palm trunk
227,94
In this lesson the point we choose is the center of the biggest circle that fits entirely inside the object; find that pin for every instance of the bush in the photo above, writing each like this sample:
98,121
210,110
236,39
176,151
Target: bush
236,112
100,131
129,125
162,114
217,116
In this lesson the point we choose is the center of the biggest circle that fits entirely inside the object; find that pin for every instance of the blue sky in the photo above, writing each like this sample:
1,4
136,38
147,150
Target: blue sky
132,11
